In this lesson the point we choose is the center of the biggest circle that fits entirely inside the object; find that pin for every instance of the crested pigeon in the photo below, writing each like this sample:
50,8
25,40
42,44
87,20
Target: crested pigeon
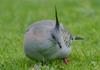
47,40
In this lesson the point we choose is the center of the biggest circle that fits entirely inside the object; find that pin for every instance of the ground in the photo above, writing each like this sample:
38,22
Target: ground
80,17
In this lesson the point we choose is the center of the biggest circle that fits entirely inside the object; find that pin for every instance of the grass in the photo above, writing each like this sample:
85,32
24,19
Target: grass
80,17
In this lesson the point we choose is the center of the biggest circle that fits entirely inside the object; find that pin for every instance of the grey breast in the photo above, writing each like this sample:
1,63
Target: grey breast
39,44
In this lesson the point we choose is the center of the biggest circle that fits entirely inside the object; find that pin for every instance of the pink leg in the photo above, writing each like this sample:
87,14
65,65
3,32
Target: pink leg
65,60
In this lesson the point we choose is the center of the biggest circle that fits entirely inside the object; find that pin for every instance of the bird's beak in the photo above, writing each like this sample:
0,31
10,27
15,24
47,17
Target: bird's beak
77,38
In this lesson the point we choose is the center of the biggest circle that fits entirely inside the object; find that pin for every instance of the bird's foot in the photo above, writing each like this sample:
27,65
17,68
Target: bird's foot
36,67
65,60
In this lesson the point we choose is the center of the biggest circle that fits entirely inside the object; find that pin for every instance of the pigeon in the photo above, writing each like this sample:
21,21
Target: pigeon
47,40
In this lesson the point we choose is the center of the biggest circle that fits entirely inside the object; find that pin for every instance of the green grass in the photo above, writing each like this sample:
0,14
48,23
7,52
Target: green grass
80,17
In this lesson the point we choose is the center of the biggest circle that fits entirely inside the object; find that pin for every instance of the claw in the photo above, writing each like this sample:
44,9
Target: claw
65,60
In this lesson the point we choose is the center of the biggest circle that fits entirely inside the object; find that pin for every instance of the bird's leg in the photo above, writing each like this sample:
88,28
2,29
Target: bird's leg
44,63
65,60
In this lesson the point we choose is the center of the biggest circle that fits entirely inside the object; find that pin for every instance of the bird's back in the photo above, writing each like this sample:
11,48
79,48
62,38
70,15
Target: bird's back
40,31
38,38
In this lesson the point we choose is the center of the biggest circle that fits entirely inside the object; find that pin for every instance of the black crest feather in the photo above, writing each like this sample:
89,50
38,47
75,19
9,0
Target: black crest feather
57,21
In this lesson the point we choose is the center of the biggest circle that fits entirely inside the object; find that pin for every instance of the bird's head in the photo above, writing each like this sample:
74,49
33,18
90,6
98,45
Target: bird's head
57,32
62,37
